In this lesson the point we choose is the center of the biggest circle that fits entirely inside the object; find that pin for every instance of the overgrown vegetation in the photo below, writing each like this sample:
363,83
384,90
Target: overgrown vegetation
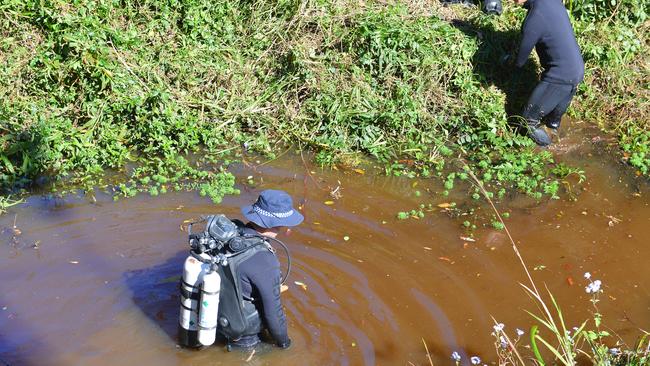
613,36
87,86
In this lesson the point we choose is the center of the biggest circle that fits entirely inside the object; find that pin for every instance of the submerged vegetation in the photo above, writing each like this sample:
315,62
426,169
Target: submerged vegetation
87,86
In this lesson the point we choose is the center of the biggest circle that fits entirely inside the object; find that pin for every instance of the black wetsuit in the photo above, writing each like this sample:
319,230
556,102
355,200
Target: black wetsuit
547,29
260,278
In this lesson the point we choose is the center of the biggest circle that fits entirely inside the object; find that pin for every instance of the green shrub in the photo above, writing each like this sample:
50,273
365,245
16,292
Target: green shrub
629,11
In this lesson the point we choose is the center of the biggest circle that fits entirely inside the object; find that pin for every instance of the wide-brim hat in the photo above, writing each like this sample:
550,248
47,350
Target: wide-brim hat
273,208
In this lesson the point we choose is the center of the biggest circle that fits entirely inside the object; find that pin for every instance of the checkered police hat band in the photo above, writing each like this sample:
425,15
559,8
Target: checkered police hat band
281,215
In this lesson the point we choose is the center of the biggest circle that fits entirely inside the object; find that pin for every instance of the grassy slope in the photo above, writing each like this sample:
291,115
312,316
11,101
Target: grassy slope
90,85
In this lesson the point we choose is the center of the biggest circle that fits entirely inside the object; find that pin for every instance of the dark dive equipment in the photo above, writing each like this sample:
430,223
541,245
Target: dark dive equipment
211,297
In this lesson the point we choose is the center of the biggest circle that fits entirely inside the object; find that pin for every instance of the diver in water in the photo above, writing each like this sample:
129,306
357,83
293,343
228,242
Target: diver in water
547,28
260,274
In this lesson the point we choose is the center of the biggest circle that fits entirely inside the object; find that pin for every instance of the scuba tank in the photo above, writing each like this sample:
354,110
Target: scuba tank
200,287
209,307
201,283
190,287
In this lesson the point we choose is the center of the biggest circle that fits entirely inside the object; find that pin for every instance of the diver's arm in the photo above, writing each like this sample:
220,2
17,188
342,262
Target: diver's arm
267,284
531,33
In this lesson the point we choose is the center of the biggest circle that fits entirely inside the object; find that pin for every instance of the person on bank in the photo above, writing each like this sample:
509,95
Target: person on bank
260,275
547,28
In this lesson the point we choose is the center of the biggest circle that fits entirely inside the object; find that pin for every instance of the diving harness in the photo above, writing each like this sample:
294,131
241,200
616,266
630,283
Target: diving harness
211,296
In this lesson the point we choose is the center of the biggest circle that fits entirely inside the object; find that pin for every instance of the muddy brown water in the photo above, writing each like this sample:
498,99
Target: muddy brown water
96,283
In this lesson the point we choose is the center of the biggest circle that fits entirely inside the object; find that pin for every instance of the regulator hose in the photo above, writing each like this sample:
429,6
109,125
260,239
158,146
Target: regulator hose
190,224
286,250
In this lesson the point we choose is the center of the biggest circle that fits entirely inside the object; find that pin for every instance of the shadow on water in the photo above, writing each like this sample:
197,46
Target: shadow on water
13,351
489,70
155,291
6,356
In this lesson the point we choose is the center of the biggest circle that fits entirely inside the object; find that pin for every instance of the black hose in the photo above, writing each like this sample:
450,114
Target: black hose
189,226
286,250
198,257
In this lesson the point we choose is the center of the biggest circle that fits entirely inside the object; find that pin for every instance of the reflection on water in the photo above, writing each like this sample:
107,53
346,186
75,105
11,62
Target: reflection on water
96,284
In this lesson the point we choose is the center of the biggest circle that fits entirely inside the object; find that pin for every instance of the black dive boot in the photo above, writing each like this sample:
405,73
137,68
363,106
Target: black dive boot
537,133
493,7
553,124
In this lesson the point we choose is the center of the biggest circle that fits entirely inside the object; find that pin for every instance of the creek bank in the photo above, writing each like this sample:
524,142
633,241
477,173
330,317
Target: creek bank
399,83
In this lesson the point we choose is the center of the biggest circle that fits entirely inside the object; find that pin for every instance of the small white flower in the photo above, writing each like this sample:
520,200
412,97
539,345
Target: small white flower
520,332
615,351
587,275
593,287
475,360
499,327
503,341
455,356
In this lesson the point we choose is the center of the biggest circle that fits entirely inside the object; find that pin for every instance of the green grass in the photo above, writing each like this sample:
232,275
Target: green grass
87,86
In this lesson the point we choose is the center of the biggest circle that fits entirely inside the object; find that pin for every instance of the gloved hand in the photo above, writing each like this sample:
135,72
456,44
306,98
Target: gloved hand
286,344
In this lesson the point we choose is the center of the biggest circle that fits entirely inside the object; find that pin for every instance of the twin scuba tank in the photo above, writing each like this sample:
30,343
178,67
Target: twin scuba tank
199,303
201,284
